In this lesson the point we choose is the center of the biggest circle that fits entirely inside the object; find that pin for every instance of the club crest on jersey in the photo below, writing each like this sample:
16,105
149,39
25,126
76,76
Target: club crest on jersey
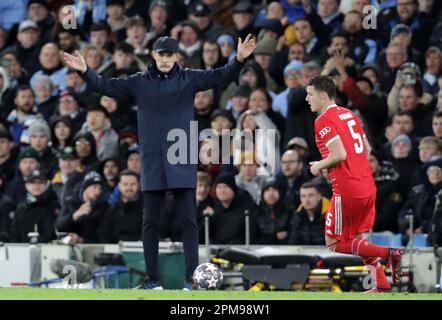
324,131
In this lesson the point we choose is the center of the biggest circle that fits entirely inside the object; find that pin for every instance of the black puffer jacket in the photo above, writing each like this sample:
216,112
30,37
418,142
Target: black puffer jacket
36,213
271,219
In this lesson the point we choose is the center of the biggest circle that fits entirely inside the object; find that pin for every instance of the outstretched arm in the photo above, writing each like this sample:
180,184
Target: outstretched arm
208,79
114,87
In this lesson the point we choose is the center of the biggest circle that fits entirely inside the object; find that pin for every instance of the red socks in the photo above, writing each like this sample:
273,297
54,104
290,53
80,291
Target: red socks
360,247
377,272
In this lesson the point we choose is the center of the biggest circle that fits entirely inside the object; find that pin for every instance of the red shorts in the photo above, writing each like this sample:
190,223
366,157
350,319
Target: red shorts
347,217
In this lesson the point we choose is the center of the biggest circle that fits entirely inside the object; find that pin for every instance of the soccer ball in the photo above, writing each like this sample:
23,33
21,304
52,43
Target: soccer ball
207,276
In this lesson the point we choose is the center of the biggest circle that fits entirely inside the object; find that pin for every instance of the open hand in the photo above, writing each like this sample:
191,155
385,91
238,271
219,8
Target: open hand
246,48
75,61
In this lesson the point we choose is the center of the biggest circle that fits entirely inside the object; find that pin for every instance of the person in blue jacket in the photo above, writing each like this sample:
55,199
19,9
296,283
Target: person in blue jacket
165,95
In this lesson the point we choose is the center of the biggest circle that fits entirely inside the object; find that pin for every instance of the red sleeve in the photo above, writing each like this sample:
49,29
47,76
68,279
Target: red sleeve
353,93
326,130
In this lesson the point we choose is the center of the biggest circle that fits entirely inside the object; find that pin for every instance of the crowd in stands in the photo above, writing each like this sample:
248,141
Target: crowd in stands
69,157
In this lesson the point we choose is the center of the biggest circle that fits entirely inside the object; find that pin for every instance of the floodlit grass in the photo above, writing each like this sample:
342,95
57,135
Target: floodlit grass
124,294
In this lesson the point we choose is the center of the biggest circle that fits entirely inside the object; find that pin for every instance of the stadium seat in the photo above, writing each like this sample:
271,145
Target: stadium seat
387,240
419,241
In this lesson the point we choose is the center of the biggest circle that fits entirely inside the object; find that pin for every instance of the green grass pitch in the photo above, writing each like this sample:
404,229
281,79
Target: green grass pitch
124,294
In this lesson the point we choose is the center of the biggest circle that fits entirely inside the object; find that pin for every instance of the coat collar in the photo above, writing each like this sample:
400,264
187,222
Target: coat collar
153,70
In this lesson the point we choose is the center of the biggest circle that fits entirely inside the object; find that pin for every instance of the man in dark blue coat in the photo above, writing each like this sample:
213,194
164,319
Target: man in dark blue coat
165,94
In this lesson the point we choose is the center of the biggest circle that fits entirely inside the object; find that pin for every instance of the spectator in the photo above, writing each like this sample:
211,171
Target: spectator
106,139
94,56
212,57
199,13
437,124
65,181
69,39
421,201
27,48
61,133
189,41
203,108
396,55
265,48
300,145
226,43
308,222
84,143
116,19
292,73
117,114
134,160
6,93
433,68
45,100
240,101
39,138
85,216
230,206
37,213
430,149
52,66
23,113
250,177
100,38
110,169
272,217
84,94
389,198
68,106
123,57
402,123
8,157
138,37
243,18
403,161
204,203
290,179
158,17
28,161
124,219
220,120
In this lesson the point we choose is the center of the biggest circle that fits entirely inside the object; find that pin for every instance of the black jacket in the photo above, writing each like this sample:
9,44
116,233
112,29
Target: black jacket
271,220
389,200
303,231
38,211
123,221
165,102
90,227
229,223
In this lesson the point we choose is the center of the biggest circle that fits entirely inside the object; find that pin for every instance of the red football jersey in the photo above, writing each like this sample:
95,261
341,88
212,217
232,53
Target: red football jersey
351,177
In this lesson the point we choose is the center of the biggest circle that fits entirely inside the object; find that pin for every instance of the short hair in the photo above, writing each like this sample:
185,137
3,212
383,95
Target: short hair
433,141
310,184
135,21
101,26
324,84
203,177
125,47
266,94
433,50
127,172
402,48
437,114
365,79
22,87
401,113
417,89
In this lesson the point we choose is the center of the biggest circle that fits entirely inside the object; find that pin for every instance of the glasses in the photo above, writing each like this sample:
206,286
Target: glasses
210,50
82,143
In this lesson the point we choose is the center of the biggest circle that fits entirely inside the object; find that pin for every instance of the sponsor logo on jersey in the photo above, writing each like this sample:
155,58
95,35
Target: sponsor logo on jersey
345,116
324,131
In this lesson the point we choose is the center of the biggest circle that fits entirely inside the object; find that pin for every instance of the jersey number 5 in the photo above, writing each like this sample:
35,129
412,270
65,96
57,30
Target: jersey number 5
359,146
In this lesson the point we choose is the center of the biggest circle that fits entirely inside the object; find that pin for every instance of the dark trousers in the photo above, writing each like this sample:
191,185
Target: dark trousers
153,201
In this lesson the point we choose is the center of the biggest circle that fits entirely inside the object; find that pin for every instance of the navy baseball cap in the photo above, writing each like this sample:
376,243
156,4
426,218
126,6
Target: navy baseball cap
166,44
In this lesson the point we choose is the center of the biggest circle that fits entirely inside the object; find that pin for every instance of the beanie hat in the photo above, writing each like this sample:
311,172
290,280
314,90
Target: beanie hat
39,127
266,46
399,138
90,179
28,152
228,179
